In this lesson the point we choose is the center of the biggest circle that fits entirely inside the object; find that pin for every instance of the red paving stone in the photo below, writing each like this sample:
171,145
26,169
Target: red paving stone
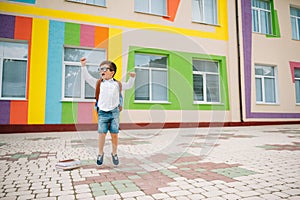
150,183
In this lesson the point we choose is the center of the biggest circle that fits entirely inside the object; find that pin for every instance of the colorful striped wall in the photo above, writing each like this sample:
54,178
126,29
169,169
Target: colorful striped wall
46,39
18,28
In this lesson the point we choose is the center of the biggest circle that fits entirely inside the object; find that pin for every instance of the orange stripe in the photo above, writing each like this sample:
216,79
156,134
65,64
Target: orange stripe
18,112
19,109
95,116
172,9
101,37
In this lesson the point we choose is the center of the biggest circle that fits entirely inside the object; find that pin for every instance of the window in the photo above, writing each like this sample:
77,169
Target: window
265,80
156,7
204,11
261,16
206,81
297,84
295,20
13,69
74,88
91,2
151,82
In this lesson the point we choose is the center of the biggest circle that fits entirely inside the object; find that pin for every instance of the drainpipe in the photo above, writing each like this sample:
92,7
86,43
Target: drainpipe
239,59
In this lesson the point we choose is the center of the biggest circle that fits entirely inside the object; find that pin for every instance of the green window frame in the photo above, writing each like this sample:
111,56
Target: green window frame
180,81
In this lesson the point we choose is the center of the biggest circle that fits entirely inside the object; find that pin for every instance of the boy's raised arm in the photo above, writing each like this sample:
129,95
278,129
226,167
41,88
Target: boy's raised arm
127,85
87,77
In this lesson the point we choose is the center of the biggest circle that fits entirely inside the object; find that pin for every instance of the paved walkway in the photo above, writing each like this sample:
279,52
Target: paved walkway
251,163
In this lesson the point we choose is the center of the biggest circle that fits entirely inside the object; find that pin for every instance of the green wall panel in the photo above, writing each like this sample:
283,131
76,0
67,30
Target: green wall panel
180,82
72,34
69,112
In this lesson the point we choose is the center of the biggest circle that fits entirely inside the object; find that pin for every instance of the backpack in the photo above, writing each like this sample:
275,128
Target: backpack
97,92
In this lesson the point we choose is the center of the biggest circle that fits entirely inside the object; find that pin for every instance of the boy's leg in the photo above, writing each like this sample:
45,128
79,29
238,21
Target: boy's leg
102,130
114,130
114,142
101,141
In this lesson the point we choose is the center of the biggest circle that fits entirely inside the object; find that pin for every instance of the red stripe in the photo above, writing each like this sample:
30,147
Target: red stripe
23,27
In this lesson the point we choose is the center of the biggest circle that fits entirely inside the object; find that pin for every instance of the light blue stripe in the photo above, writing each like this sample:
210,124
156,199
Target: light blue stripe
54,73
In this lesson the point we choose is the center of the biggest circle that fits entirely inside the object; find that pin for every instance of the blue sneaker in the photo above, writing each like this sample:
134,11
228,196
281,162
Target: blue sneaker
100,159
115,159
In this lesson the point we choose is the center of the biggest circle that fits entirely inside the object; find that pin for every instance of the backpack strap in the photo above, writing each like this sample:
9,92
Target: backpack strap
97,91
120,85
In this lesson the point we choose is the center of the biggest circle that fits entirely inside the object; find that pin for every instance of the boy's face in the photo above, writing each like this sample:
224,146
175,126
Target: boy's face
105,72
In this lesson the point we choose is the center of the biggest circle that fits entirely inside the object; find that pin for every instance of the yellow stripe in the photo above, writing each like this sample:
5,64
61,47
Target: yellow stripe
223,20
38,70
219,34
115,50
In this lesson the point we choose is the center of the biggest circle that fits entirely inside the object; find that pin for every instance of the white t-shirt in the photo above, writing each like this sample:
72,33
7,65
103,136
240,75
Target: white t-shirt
109,97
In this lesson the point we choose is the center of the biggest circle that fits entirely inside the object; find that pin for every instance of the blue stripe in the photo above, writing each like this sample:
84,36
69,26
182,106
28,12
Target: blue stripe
25,1
54,73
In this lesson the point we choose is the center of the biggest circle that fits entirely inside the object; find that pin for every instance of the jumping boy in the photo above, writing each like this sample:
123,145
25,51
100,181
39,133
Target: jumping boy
109,104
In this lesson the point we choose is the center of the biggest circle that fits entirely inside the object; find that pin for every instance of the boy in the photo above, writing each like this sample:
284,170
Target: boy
109,104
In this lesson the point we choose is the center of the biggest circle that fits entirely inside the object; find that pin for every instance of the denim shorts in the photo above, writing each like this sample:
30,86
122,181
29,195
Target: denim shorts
109,121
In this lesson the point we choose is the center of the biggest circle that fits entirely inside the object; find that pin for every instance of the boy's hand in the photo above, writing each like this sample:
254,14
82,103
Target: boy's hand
83,61
132,74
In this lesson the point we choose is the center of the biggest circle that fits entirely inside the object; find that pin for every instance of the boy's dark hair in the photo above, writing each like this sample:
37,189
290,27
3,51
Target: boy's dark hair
112,65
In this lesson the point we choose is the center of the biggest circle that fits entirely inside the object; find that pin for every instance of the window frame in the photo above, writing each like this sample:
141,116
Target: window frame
150,79
82,82
204,75
297,23
203,16
165,14
263,89
259,10
14,58
297,79
93,4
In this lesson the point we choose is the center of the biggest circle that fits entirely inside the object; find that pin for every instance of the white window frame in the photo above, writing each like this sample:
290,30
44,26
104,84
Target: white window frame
150,80
203,10
82,83
149,11
259,10
262,77
297,79
14,58
85,2
297,18
204,74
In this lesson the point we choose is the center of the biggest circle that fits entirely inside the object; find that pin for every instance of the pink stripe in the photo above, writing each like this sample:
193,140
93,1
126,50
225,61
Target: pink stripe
85,114
87,33
294,65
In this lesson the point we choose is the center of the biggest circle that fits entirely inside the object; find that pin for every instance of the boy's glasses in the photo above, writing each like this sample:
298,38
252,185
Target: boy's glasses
104,69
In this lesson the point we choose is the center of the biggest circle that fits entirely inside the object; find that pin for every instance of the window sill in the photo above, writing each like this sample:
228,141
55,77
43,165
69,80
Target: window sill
263,34
153,102
89,4
152,14
78,100
204,23
13,99
208,103
267,104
